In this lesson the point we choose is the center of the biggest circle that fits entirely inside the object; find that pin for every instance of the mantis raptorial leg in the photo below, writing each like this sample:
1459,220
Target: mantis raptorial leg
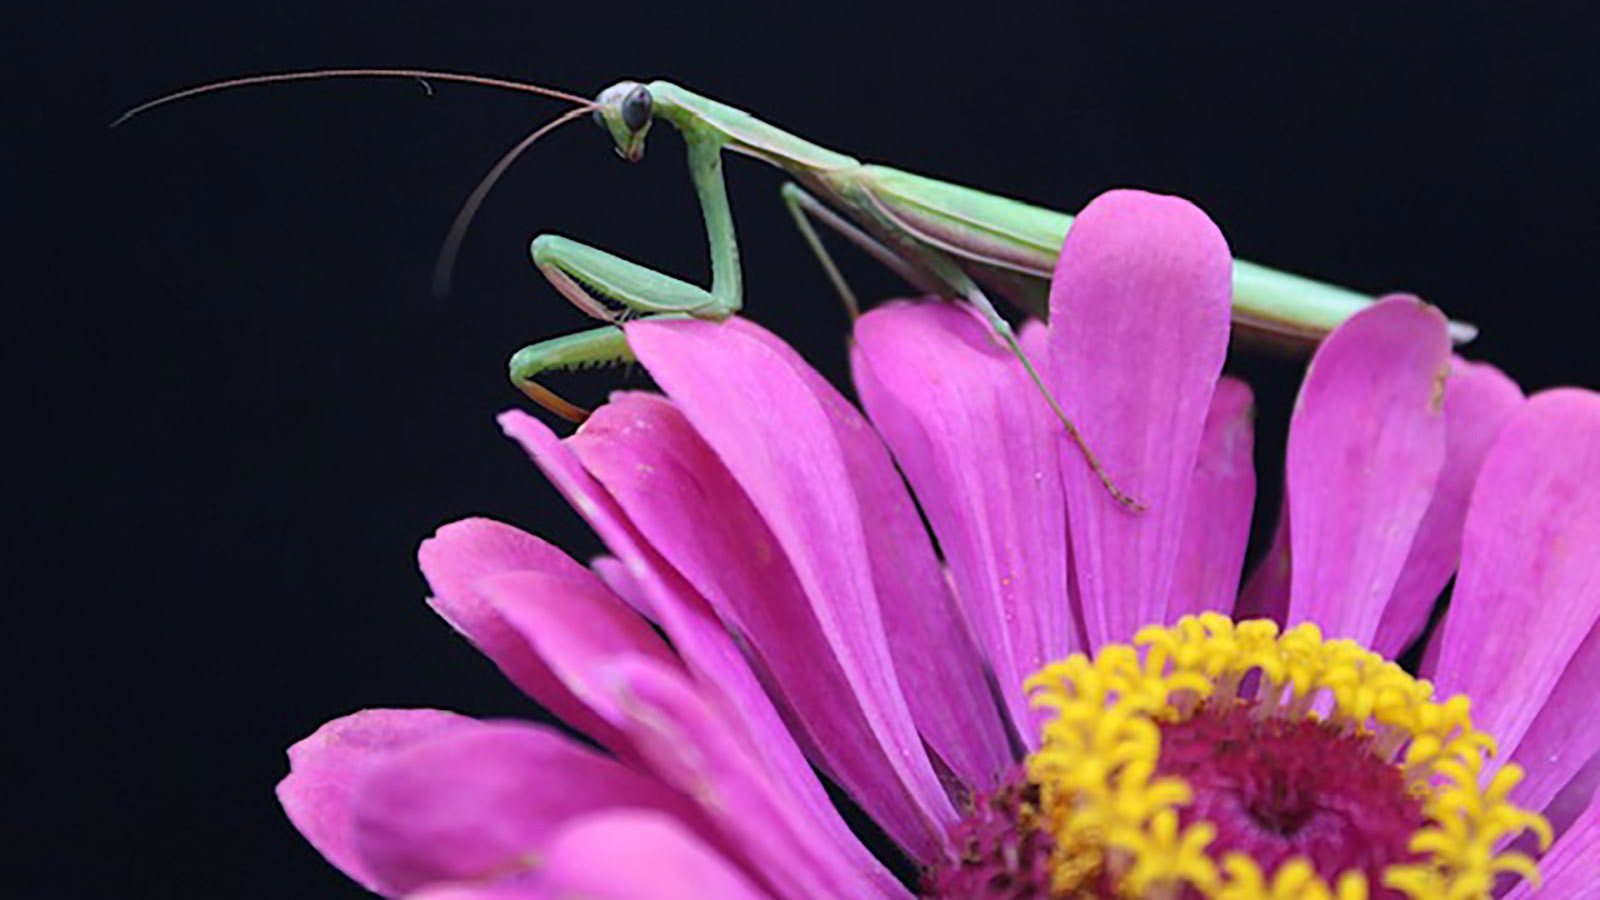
571,265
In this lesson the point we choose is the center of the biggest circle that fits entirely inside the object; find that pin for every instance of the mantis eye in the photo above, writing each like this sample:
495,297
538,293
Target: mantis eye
636,108
599,119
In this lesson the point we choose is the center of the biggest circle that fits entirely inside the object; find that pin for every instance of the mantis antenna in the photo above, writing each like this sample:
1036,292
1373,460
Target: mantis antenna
423,75
458,229
469,209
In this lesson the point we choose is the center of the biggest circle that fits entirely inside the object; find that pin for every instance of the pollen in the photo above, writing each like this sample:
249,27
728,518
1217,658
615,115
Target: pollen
1229,760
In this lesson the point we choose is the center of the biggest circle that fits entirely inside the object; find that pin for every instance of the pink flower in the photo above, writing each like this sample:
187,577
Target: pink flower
757,520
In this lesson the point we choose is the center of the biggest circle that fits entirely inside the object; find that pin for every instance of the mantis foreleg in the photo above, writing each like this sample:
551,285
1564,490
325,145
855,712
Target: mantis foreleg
577,269
596,347
580,271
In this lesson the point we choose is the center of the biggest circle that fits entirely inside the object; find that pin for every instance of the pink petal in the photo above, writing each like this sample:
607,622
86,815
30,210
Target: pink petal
1565,735
934,654
1528,593
649,457
977,442
719,669
1429,663
678,498
576,625
776,433
1571,869
326,768
1216,527
587,636
582,631
690,747
1477,400
520,889
1365,446
461,555
1573,800
1139,326
1266,594
615,574
937,661
664,861
690,624
480,802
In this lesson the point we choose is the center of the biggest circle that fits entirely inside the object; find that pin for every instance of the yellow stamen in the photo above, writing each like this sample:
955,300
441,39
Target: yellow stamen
1116,822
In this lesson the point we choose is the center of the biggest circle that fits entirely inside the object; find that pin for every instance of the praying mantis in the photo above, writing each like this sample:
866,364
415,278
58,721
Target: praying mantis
943,239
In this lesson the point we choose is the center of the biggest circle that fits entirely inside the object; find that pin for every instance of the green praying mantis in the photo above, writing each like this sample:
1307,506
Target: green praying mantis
942,238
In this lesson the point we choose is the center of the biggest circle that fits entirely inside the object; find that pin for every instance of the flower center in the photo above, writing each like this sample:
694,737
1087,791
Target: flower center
1225,760
1001,849
1277,788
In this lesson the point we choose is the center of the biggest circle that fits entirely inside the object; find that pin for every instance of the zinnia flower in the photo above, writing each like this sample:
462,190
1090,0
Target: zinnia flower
1059,698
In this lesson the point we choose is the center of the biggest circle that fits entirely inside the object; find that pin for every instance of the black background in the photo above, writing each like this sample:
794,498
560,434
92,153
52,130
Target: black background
241,408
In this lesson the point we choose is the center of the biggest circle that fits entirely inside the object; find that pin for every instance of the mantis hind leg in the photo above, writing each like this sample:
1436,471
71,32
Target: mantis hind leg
953,281
580,272
803,207
797,201
1008,335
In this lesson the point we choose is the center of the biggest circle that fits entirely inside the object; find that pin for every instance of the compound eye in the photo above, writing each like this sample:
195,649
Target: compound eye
599,119
637,108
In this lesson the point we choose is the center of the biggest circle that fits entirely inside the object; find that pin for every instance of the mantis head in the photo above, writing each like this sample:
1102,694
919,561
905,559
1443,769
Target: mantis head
625,110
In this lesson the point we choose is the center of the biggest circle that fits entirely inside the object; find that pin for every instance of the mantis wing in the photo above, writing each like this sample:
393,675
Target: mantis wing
1011,248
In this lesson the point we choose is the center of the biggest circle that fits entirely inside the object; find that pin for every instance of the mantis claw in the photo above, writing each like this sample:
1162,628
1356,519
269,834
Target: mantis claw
552,402
597,347
575,294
